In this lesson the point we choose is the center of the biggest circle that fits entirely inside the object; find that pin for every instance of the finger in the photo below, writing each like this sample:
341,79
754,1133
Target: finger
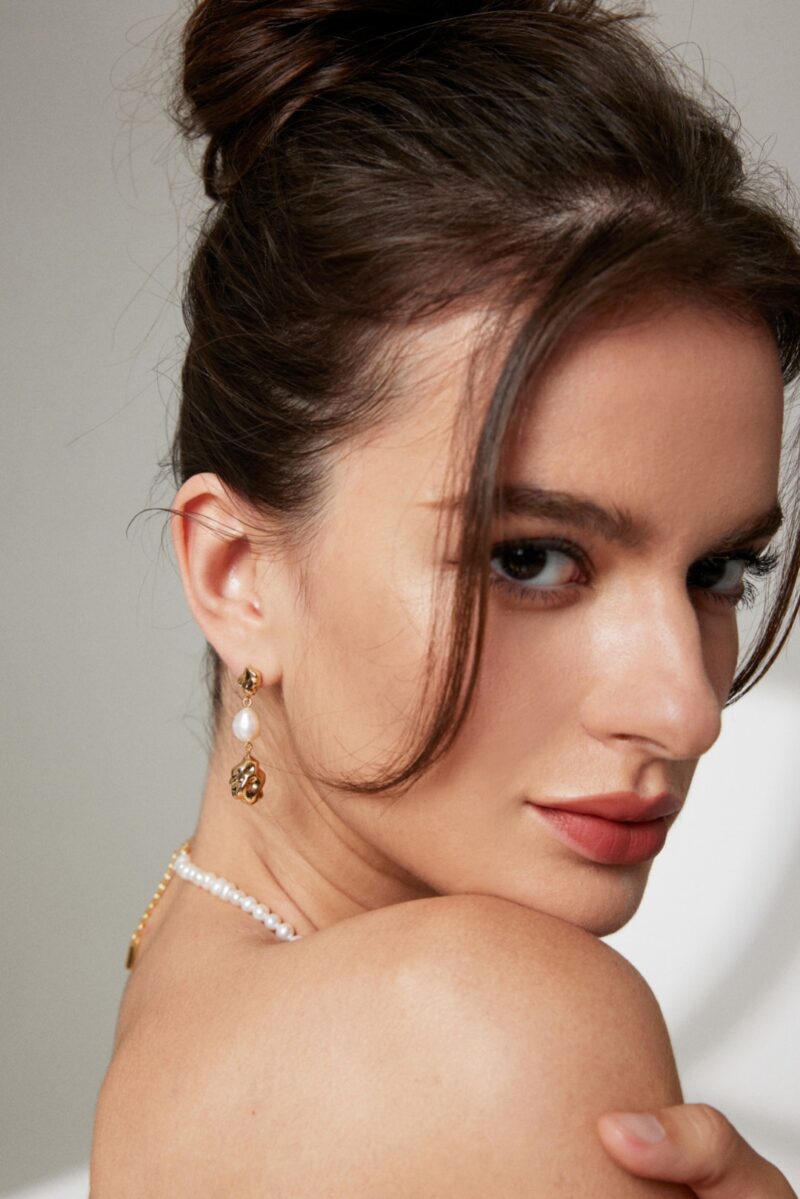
695,1144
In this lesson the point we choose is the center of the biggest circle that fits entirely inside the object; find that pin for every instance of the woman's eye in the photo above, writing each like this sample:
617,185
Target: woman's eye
719,575
537,570
724,579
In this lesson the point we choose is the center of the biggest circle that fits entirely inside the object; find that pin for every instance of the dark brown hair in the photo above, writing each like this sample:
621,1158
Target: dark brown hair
373,164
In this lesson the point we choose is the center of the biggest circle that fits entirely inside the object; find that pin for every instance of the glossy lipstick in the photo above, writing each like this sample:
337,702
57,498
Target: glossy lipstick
592,826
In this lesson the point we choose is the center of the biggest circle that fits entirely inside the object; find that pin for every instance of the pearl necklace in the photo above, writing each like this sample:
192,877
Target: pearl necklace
181,864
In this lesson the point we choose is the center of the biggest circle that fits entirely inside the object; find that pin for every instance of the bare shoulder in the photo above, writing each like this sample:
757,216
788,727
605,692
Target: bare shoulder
513,1031
523,980
465,1045
531,955
475,946
458,1046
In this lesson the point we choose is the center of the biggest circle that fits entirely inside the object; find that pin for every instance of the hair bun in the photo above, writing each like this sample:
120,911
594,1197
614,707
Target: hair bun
247,66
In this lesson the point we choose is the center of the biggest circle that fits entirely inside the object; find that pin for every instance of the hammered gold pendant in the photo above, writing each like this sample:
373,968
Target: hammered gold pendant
247,780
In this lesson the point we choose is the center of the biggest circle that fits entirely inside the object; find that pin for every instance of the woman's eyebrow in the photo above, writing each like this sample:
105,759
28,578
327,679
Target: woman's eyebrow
613,523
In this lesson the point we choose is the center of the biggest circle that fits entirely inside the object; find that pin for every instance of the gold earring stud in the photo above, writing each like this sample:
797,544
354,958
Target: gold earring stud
247,778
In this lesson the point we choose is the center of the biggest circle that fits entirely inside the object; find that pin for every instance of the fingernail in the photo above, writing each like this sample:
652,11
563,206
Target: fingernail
640,1127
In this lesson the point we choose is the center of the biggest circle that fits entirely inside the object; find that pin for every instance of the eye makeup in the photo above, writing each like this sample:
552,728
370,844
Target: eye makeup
521,562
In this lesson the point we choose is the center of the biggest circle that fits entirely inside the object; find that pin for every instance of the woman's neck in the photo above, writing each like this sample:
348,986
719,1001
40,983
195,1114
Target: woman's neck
292,851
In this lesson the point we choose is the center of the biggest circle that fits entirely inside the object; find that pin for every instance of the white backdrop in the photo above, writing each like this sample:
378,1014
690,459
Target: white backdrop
103,732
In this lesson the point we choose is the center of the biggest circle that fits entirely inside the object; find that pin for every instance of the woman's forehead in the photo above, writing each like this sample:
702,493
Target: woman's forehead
665,393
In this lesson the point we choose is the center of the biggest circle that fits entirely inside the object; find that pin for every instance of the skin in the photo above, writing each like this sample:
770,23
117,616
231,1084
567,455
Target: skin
677,418
696,1144
618,685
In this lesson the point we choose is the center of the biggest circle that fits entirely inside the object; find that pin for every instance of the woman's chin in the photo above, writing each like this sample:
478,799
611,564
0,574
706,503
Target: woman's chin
612,912
605,924
601,905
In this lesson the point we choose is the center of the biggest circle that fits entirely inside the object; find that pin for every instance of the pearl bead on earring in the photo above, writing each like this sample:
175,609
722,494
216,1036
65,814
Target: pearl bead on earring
245,724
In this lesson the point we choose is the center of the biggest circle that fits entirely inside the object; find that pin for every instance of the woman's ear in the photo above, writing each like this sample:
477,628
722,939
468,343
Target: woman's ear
219,570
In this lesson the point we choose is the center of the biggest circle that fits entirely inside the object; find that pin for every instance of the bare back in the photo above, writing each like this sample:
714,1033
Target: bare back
222,1035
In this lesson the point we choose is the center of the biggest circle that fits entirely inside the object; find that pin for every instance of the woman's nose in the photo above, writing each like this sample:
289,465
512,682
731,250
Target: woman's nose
652,675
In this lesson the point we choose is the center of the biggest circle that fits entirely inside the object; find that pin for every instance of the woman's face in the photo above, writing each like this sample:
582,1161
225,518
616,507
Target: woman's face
606,662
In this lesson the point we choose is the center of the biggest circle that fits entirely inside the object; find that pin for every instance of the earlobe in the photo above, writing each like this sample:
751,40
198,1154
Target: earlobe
218,569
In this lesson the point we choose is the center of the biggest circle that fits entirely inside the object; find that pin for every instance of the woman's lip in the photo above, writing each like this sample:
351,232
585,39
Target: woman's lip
612,842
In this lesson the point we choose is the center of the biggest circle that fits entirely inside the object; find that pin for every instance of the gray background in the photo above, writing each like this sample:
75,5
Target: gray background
103,732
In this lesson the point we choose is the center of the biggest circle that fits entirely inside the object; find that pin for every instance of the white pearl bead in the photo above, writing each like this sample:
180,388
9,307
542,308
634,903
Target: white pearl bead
236,897
248,903
284,931
217,886
245,725
225,893
271,920
259,912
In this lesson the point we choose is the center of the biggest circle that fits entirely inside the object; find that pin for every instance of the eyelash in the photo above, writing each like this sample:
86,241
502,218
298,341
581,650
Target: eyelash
756,565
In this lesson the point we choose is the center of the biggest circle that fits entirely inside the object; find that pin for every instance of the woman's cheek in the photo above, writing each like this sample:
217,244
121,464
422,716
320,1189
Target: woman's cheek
720,640
358,665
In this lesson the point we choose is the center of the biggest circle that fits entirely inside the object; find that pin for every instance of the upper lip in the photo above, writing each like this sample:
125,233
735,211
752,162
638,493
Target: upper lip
618,805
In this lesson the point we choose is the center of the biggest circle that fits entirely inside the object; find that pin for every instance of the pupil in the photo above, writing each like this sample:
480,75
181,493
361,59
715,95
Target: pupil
711,571
525,560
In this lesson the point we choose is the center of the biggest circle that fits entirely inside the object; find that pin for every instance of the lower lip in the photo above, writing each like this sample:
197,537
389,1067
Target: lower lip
612,842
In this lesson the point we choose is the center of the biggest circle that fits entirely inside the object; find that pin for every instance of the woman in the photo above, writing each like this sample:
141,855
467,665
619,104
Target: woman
478,457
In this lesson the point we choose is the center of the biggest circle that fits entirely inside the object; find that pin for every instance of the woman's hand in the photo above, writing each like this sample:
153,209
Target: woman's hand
692,1143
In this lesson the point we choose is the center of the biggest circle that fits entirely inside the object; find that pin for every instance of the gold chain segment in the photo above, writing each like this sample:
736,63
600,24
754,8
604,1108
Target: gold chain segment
160,889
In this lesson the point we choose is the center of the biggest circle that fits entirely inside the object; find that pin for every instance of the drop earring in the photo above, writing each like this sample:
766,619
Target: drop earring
247,777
